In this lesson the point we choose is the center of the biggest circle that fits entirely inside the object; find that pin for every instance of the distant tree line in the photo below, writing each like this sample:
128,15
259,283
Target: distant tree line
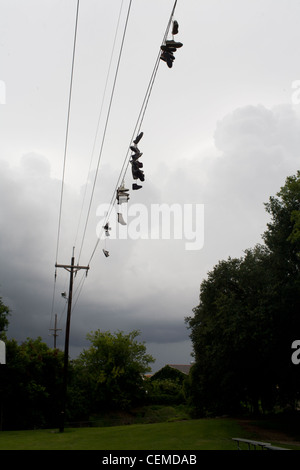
108,376
247,319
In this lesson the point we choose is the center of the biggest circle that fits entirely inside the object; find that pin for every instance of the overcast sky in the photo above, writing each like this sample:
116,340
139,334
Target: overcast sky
221,132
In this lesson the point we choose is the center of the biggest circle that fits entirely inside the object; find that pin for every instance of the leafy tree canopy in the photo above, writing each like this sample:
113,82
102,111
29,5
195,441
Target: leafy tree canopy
248,315
113,367
31,384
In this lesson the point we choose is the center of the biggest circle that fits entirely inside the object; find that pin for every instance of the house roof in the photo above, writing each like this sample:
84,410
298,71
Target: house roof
184,368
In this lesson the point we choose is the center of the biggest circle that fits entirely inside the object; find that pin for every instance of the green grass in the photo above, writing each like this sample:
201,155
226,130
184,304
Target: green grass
203,434
161,428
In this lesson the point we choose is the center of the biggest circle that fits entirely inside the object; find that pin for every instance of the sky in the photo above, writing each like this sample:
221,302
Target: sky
221,135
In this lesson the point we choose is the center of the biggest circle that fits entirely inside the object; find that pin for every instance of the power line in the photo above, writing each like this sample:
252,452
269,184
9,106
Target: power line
67,129
106,124
136,130
137,126
99,117
65,151
67,132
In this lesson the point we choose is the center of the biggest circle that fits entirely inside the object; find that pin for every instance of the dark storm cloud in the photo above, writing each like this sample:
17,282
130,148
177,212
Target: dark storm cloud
148,285
206,142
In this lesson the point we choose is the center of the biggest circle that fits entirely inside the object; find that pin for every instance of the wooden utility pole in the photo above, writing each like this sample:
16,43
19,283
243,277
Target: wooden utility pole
72,270
55,329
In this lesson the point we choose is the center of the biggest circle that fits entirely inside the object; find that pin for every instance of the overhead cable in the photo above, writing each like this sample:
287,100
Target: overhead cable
136,129
67,129
65,150
99,118
106,124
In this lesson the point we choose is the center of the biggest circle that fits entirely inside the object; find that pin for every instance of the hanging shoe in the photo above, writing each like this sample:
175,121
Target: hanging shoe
122,187
122,194
136,172
175,27
138,138
172,43
169,58
122,198
135,156
107,228
168,48
138,175
106,253
136,186
120,219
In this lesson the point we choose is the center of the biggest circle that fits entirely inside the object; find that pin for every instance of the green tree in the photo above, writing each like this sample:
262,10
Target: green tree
283,234
111,370
31,384
283,240
248,316
230,331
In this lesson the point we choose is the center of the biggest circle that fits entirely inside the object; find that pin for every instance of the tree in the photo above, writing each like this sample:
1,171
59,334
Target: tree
243,328
111,370
230,331
283,234
32,384
283,240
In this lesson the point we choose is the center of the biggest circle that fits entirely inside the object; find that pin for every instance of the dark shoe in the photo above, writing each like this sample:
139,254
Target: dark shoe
138,138
175,27
136,186
172,43
135,156
168,57
134,148
168,48
136,172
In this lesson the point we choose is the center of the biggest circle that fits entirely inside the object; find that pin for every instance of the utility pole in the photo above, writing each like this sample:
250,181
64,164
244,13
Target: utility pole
72,270
55,329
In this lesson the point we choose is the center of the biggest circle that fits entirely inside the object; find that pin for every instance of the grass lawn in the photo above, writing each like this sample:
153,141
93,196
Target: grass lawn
202,434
